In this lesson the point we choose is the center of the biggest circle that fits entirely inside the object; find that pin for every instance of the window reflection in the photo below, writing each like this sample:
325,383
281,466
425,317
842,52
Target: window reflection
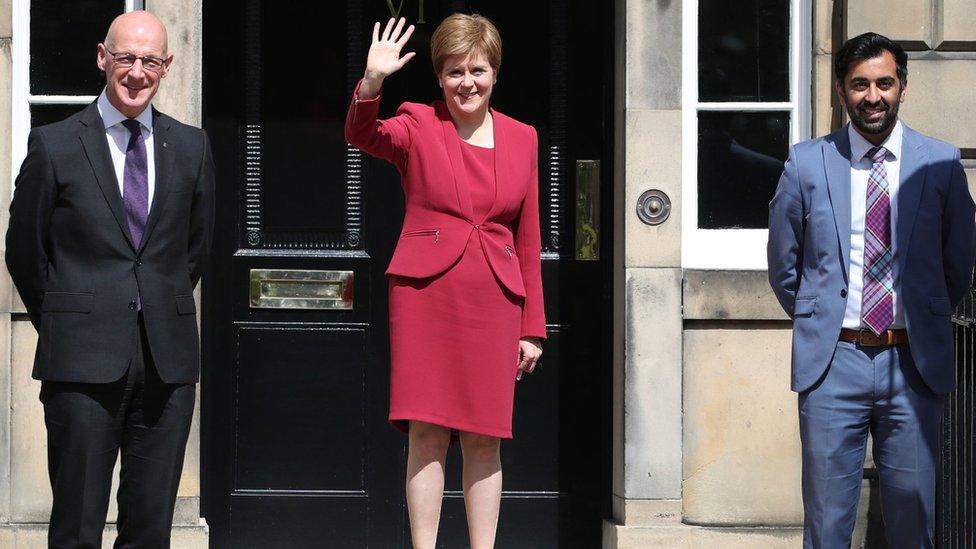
740,159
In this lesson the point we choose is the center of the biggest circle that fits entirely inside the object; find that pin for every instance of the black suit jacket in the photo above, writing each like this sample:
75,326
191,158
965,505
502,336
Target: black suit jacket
71,257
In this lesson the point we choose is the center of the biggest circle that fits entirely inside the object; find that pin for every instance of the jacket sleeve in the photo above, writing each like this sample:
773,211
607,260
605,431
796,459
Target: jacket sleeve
28,233
958,234
528,244
784,250
387,139
201,214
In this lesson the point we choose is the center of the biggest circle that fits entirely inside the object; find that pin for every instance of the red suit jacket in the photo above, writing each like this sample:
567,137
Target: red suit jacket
422,142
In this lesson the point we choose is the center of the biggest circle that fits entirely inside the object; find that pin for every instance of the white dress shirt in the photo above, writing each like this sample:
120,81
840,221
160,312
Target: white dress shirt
860,174
118,140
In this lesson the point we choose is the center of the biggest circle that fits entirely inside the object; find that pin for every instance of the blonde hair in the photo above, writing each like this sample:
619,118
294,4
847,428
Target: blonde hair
462,34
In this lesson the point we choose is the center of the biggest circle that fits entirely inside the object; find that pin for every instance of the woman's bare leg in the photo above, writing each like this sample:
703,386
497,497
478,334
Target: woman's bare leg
425,481
482,483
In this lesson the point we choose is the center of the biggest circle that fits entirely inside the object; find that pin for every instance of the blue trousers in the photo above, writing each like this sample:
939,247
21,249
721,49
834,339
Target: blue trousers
876,390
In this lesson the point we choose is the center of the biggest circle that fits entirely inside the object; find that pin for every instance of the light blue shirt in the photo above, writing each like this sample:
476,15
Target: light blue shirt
118,140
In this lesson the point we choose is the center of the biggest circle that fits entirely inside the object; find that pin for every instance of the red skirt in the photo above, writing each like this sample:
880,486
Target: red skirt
454,348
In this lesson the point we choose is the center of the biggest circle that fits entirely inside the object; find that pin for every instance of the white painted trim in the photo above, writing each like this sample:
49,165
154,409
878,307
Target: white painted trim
61,99
802,76
746,107
20,86
734,248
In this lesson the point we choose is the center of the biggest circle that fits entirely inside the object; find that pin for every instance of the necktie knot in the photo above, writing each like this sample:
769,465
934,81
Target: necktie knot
877,154
133,126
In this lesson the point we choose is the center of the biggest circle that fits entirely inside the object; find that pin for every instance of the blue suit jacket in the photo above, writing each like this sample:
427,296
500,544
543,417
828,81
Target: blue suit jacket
810,240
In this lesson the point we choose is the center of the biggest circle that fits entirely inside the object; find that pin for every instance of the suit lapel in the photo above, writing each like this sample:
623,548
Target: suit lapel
837,165
94,142
914,166
499,131
164,165
453,143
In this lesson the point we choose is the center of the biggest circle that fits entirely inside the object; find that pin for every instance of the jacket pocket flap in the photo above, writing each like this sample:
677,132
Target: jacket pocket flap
67,302
940,306
185,305
804,306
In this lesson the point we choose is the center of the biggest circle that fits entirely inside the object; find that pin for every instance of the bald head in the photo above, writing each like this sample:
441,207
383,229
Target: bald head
140,27
134,58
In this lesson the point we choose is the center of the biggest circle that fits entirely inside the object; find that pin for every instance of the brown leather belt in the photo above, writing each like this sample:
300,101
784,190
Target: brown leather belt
867,338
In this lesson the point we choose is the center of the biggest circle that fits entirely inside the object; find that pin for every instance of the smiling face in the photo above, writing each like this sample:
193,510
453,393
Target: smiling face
130,88
872,94
467,81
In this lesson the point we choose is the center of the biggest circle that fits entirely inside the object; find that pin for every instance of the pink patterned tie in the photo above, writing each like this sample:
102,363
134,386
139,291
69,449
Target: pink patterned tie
877,307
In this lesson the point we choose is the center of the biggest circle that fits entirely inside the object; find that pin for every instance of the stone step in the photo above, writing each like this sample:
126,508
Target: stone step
34,536
683,536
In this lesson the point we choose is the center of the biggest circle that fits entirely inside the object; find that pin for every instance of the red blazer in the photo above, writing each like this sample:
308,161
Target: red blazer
422,142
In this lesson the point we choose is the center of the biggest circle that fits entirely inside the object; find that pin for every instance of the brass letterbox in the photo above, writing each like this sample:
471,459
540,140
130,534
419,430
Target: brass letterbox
301,289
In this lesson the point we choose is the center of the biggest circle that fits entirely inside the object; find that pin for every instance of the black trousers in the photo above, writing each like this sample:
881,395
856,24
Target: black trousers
87,426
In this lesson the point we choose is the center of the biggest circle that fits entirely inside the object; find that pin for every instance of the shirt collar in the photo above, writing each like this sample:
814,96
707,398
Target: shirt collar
111,116
860,146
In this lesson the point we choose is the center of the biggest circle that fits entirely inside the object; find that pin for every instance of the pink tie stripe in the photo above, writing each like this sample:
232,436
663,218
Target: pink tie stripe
877,304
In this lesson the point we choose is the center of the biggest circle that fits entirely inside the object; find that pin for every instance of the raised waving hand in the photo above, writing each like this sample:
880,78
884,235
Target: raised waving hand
384,56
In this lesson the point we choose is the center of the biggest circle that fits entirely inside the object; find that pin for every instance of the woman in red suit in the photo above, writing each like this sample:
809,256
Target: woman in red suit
466,312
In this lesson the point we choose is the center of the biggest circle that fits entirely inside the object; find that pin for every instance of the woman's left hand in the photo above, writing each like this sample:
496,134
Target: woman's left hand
530,349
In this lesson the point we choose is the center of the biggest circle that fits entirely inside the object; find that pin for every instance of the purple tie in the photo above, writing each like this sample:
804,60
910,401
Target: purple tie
877,306
135,182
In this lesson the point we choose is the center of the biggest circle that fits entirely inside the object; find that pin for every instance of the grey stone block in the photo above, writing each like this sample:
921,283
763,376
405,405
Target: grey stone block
650,387
653,54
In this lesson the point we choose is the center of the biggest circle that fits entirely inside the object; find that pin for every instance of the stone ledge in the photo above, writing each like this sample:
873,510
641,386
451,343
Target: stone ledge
34,536
683,536
646,512
729,295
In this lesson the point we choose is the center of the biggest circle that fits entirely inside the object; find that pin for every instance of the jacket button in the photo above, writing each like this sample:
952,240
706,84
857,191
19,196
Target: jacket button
843,293
132,305
138,263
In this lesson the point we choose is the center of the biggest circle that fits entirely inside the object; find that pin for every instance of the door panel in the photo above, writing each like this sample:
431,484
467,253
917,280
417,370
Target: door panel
297,450
301,374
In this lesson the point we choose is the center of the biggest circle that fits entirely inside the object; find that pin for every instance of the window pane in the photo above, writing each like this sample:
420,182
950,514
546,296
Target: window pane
63,36
740,159
743,50
45,114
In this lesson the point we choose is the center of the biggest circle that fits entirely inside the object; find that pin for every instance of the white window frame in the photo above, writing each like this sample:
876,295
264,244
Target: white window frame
735,249
21,98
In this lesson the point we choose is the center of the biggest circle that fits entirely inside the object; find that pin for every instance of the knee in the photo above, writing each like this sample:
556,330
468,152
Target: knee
479,447
428,438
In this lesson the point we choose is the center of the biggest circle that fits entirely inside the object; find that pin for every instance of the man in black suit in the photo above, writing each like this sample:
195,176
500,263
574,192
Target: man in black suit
109,227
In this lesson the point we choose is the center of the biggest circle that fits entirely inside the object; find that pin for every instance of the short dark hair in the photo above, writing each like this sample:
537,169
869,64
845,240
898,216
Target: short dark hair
868,46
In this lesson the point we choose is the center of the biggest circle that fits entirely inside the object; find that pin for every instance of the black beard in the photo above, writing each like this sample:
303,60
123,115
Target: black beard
873,128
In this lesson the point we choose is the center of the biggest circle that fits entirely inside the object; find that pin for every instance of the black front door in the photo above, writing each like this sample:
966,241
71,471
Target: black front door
297,451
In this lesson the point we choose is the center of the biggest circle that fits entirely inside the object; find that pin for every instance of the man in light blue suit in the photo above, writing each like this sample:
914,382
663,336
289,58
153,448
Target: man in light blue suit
871,245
